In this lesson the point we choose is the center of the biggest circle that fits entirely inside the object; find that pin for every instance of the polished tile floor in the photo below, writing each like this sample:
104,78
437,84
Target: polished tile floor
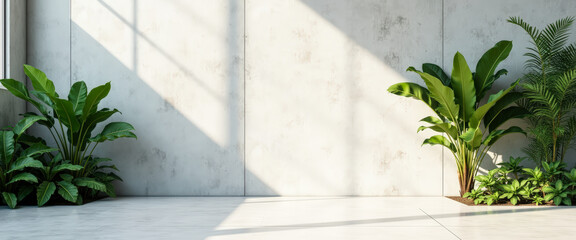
278,218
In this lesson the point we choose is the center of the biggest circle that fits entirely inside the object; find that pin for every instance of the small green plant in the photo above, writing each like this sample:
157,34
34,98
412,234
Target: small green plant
16,160
476,194
492,198
512,166
553,184
559,193
491,182
512,191
71,122
553,170
536,177
458,103
55,175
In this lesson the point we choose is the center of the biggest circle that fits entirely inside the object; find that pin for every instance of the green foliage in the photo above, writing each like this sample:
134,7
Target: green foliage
17,160
491,181
559,192
476,194
553,170
73,172
550,89
513,191
51,176
457,102
512,166
554,184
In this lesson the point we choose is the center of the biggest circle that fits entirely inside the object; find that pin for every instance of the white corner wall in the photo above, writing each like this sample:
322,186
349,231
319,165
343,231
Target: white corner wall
274,97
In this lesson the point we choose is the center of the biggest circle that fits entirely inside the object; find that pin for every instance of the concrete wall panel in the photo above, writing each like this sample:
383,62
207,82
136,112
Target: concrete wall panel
319,120
176,73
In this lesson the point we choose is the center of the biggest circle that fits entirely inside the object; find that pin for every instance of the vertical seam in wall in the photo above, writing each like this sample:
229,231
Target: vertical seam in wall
5,44
25,47
244,80
70,40
442,40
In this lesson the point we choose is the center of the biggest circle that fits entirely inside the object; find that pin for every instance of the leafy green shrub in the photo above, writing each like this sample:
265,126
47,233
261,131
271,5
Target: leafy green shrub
71,121
554,184
457,101
16,161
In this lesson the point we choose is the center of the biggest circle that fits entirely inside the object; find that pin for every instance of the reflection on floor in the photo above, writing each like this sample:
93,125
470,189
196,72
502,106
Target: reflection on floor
279,218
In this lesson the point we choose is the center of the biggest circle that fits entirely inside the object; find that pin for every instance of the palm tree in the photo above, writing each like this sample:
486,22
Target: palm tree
550,89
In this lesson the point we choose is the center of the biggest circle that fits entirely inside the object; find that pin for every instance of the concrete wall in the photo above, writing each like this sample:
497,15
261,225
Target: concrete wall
274,97
10,106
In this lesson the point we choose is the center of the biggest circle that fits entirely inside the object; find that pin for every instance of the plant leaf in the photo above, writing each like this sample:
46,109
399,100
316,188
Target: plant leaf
442,94
67,177
28,177
6,147
10,199
24,162
90,183
463,87
39,81
497,134
37,149
68,191
484,77
113,131
505,115
481,111
25,123
437,72
94,98
77,96
440,140
18,89
65,111
66,166
472,136
44,192
415,91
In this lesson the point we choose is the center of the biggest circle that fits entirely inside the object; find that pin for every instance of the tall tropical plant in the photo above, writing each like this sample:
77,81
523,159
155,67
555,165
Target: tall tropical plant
550,89
77,115
456,101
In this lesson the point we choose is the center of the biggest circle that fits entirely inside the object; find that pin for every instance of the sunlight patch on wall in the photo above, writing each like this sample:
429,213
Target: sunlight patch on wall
181,51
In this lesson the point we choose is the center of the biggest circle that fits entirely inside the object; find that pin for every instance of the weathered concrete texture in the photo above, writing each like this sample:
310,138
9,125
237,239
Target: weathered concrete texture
472,27
176,73
10,107
49,40
319,120
48,47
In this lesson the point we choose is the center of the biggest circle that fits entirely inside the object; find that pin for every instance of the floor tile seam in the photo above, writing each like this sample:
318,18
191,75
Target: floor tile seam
440,224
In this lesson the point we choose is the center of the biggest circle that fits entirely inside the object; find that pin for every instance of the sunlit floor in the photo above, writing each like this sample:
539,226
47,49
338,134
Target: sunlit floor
286,218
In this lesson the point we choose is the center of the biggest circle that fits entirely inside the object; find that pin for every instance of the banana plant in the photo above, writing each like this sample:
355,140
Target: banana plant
16,161
72,120
457,102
